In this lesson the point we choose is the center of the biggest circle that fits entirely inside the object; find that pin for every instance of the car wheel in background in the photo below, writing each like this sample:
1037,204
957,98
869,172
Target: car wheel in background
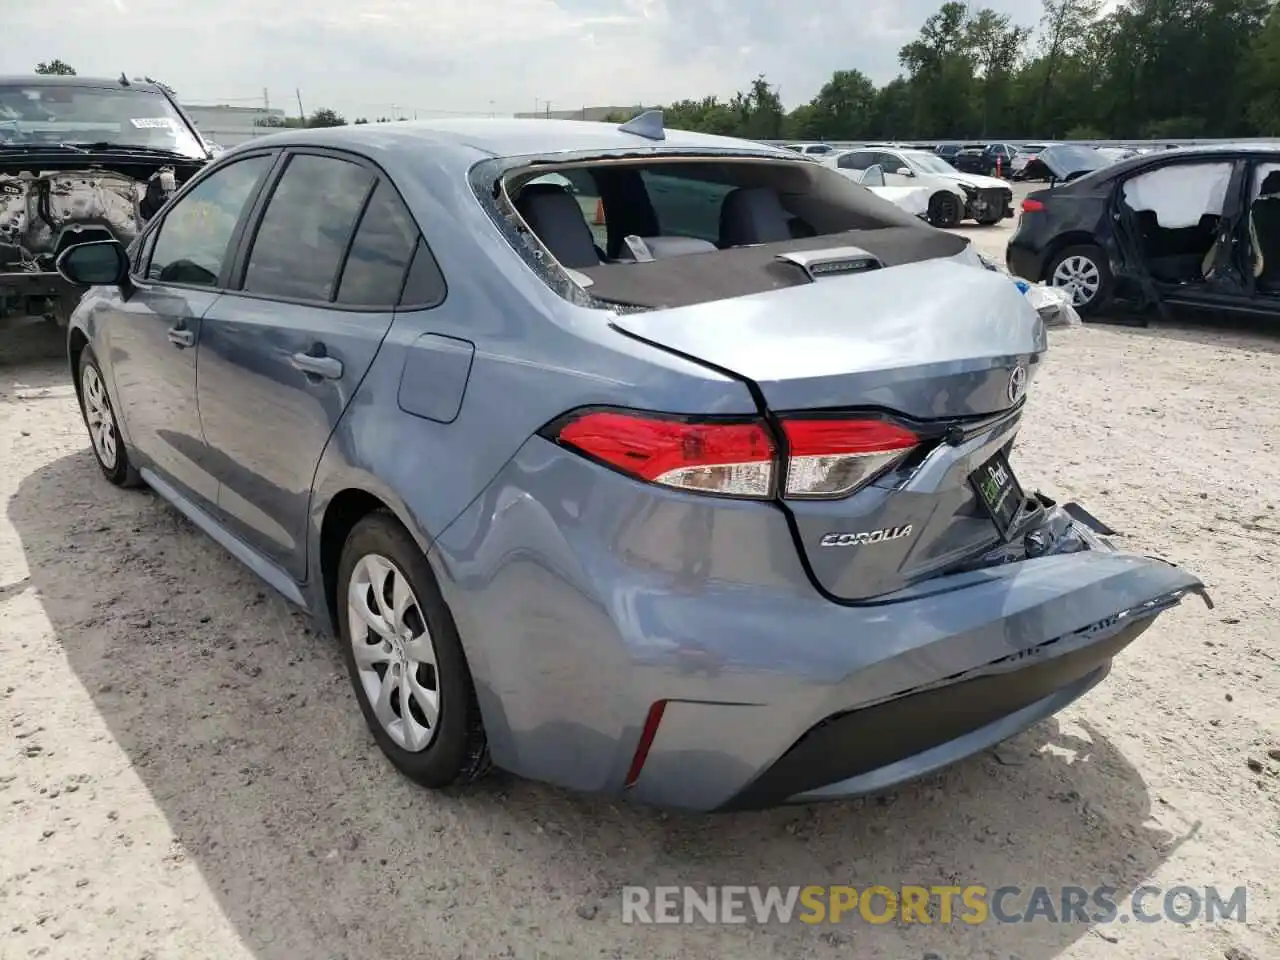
404,657
944,210
100,420
1084,272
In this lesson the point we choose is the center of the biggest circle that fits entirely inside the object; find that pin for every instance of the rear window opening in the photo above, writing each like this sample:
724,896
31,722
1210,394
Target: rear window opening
676,230
1176,212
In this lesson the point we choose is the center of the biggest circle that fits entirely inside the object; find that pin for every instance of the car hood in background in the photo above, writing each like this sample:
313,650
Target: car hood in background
1068,160
976,181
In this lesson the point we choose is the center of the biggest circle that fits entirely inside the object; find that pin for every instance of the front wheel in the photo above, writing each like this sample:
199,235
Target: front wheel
1083,272
944,210
100,420
404,657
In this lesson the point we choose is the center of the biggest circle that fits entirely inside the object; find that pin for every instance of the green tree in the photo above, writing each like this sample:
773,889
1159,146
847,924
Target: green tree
55,68
324,117
843,109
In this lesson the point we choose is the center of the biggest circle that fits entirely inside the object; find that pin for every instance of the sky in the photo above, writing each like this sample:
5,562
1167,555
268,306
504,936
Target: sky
376,57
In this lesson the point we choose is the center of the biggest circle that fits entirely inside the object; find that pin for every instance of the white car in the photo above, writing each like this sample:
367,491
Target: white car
914,200
816,151
953,196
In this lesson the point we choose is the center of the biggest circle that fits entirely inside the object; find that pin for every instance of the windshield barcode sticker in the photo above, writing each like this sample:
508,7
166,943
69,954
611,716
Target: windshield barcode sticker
152,123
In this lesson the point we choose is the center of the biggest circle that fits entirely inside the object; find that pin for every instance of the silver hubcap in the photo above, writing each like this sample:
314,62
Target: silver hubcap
1080,277
98,417
394,653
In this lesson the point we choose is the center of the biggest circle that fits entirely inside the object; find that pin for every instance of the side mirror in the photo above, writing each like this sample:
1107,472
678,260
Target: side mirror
905,172
99,263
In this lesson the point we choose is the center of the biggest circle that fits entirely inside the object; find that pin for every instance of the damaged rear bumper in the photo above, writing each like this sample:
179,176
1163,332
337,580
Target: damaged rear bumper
991,651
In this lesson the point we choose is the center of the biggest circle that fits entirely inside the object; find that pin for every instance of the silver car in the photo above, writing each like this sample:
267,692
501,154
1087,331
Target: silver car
684,474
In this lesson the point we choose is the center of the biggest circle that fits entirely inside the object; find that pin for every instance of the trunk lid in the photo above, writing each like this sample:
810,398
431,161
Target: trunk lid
942,348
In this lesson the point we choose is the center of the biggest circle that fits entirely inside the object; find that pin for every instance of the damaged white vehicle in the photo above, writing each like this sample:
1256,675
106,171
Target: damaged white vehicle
953,196
81,160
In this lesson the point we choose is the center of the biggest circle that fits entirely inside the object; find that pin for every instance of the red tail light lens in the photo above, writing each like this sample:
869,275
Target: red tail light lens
833,458
1032,206
728,459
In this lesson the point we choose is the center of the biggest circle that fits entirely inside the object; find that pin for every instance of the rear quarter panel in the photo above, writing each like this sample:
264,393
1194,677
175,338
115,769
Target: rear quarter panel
531,357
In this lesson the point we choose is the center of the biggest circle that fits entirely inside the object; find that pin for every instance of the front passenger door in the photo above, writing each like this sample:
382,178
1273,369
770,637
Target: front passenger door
154,332
283,355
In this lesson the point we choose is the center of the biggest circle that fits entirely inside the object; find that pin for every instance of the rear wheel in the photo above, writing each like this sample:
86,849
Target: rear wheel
944,210
100,420
404,657
1084,272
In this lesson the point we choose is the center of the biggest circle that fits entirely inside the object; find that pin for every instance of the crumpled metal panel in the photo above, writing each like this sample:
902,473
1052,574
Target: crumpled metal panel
98,198
72,200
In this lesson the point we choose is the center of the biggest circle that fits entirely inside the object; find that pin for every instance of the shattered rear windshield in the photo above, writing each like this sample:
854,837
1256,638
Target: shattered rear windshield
34,113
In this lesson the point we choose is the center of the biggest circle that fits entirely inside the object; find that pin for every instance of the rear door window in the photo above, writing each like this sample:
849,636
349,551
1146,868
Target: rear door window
306,228
686,207
856,160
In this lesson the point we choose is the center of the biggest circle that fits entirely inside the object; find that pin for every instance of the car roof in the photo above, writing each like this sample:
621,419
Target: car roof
56,80
509,137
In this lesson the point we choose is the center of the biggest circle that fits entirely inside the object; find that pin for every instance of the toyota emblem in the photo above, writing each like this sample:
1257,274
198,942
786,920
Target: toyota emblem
1017,383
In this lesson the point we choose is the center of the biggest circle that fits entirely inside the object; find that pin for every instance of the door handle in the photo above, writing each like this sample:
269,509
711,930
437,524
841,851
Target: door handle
181,337
330,368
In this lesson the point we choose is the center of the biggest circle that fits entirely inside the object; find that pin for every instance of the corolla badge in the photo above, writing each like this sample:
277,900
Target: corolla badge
866,537
1017,383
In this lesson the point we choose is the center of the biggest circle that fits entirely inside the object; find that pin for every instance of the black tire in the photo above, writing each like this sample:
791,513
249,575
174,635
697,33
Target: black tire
1106,282
945,210
990,221
118,469
458,752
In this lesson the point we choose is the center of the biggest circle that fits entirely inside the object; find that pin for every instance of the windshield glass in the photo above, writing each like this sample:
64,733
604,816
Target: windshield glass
1066,159
928,163
34,113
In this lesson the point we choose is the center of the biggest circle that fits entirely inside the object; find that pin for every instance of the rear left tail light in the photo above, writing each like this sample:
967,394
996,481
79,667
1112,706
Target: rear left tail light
731,459
833,458
828,458
1032,206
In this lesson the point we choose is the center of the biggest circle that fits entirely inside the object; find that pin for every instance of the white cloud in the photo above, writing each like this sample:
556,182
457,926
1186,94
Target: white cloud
362,56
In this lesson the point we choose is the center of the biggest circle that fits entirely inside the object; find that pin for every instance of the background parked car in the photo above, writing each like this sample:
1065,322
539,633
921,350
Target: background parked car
954,196
988,160
811,149
1195,227
1026,153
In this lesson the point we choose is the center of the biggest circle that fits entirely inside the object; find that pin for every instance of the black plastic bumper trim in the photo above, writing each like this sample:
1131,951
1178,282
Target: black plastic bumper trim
850,744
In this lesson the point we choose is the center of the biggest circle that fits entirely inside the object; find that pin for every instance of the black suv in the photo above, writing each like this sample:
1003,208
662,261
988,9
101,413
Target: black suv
985,159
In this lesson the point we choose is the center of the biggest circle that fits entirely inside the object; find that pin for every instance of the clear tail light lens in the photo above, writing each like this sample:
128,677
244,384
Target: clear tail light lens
833,458
730,459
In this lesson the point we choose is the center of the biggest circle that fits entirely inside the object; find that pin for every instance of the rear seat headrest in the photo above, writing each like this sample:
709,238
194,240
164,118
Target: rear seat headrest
554,215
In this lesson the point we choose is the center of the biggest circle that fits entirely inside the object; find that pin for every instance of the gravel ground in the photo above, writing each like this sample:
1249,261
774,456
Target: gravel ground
184,773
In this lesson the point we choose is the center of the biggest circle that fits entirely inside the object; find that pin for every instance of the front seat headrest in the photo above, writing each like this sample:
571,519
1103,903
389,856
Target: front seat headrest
554,215
753,215
1270,184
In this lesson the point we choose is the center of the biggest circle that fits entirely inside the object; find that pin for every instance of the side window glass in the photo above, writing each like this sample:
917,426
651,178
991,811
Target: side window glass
305,229
380,253
424,286
855,161
190,246
686,207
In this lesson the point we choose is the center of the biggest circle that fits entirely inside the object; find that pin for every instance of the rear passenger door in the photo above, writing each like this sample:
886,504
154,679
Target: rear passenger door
315,285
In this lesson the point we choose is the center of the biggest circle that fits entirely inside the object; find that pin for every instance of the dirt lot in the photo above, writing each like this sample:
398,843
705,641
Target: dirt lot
184,773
